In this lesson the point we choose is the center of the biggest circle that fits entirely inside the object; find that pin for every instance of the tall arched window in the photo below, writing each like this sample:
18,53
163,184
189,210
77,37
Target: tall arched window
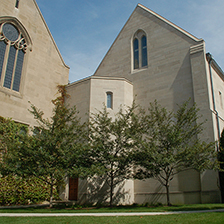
110,100
12,50
144,51
136,54
140,58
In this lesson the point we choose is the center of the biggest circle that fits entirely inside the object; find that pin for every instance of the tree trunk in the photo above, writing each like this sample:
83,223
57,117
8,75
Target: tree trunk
168,194
111,191
51,196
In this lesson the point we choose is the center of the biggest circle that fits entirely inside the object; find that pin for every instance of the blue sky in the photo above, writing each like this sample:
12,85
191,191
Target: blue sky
84,30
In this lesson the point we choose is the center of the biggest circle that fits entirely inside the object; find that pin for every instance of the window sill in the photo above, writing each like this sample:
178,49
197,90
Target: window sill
10,92
139,70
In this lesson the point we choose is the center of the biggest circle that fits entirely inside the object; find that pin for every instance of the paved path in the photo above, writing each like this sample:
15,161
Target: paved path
105,214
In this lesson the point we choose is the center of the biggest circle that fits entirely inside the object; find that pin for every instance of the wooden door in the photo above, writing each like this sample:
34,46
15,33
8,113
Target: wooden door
73,189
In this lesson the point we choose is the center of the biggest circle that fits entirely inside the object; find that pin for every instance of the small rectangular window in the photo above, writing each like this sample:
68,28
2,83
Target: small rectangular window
109,99
17,4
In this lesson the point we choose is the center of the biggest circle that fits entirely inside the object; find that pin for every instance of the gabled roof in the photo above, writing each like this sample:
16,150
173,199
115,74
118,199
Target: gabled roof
169,23
142,7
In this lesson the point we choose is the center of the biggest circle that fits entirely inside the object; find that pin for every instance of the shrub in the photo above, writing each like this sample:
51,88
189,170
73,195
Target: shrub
15,190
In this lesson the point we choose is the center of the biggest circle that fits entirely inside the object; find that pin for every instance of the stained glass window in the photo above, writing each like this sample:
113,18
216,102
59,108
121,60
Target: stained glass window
10,67
18,71
2,55
139,50
12,52
10,32
144,51
136,54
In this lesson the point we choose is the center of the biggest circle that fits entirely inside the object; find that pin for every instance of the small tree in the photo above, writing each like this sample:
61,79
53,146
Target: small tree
171,144
112,142
59,146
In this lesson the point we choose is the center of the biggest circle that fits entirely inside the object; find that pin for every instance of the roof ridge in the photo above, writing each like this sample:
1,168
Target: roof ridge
170,23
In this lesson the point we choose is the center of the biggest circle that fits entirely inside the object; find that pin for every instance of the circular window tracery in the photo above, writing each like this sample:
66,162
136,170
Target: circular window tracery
10,32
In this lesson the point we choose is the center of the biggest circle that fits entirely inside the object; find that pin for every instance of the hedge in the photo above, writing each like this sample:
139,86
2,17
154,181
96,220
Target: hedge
16,190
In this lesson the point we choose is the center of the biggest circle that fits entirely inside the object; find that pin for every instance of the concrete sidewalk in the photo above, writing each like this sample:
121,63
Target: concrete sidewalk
105,214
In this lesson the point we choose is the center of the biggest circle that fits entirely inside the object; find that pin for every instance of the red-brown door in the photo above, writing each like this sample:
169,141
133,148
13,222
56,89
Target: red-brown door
73,189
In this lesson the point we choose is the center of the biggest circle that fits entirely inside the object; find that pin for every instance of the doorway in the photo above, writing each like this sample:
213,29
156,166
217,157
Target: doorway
73,189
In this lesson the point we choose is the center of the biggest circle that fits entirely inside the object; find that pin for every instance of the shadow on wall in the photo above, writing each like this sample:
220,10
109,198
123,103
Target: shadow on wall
155,197
98,192
82,195
149,191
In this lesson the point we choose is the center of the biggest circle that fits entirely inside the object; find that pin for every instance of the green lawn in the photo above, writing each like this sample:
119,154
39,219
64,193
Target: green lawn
214,217
117,209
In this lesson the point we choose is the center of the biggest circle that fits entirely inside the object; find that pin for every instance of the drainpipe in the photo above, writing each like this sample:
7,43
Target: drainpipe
210,60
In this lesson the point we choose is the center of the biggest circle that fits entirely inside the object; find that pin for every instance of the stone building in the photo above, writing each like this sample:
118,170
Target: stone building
150,59
31,66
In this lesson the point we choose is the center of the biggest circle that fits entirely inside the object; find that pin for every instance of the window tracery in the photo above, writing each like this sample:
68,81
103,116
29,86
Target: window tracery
13,47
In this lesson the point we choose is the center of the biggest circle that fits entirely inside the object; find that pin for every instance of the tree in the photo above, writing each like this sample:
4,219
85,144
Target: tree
171,144
112,141
58,147
221,160
12,136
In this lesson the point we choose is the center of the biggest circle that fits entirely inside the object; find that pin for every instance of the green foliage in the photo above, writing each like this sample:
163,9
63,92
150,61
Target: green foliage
171,144
12,137
221,161
11,133
221,150
15,190
58,147
112,141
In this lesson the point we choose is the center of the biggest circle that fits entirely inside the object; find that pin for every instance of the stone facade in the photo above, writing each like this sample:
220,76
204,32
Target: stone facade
43,67
150,59
177,70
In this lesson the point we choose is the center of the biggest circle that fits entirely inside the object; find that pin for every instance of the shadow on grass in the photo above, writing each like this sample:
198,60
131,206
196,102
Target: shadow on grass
127,208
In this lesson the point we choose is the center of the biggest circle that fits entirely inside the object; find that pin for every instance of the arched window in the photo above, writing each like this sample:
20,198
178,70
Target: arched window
12,51
110,100
144,51
136,54
140,58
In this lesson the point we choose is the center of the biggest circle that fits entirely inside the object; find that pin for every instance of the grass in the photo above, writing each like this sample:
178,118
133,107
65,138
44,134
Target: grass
212,217
205,218
131,208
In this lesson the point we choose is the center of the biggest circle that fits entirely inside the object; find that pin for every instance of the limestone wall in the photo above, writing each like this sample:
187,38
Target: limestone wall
43,67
